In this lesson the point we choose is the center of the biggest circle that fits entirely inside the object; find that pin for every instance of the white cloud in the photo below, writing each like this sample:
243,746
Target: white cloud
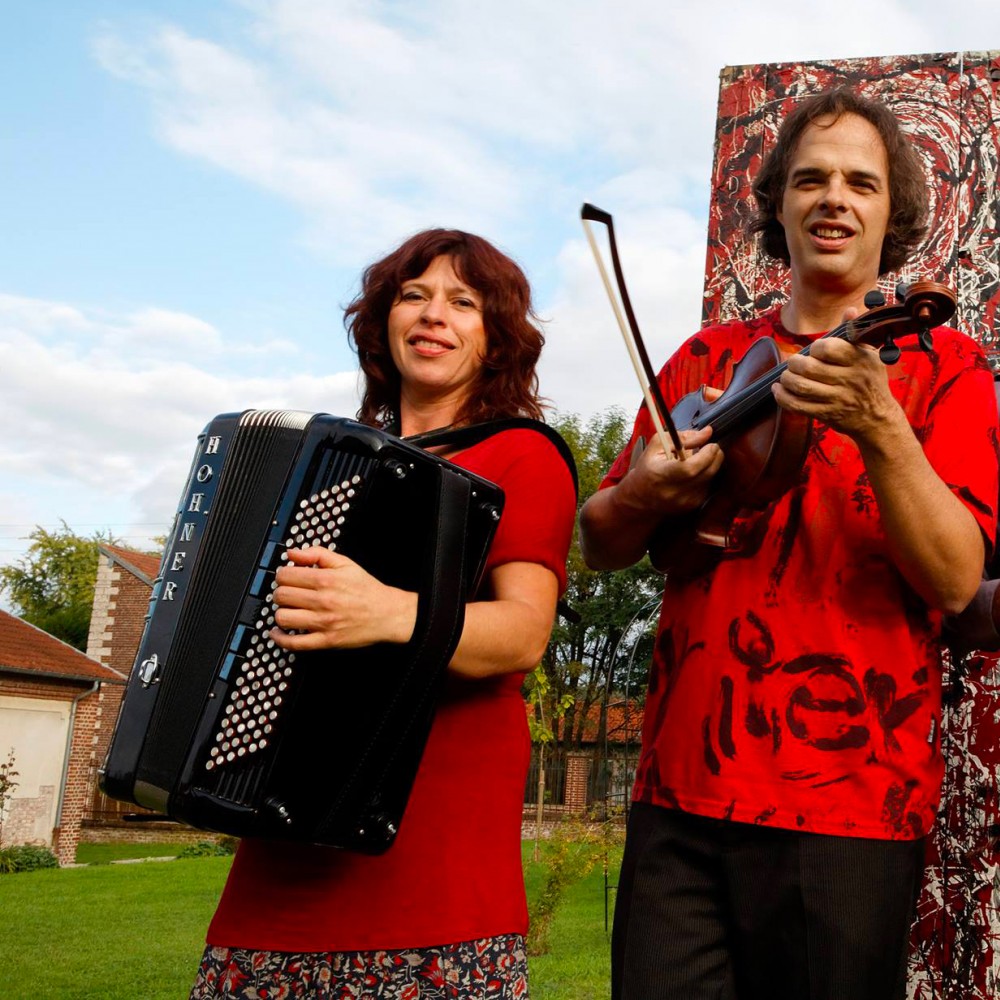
384,117
585,367
39,318
377,120
179,331
114,415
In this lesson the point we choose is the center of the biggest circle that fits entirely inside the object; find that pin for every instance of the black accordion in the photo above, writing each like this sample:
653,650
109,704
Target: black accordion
221,728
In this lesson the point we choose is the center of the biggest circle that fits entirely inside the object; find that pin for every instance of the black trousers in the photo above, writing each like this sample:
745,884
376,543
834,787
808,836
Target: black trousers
713,910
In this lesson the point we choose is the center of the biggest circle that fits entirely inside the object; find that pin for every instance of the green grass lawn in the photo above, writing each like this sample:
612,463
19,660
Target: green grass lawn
102,854
136,932
122,932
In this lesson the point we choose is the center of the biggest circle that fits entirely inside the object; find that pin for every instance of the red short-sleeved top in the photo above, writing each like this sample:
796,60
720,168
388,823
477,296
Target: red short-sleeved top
454,871
799,683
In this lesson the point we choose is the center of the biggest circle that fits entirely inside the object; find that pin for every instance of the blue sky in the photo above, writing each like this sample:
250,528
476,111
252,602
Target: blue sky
190,191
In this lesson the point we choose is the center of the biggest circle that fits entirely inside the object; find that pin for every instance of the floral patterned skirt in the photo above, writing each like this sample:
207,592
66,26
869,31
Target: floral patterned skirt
494,968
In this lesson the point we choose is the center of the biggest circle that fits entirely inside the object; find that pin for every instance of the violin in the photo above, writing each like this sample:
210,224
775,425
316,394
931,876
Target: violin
765,446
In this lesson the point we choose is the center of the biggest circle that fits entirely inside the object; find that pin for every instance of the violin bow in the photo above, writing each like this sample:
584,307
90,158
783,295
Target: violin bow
655,403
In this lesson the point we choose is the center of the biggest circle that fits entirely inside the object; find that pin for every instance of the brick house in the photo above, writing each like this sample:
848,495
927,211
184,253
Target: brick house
121,601
50,716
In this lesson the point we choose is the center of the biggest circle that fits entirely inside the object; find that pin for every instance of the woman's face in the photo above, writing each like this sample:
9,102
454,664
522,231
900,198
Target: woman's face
436,335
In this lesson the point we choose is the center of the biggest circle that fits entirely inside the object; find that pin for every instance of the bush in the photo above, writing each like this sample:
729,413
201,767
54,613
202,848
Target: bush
26,858
576,846
210,848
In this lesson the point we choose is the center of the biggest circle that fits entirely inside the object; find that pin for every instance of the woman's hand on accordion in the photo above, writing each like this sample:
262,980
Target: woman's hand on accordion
327,601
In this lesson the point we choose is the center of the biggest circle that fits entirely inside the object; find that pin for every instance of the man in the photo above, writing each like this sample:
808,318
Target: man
790,764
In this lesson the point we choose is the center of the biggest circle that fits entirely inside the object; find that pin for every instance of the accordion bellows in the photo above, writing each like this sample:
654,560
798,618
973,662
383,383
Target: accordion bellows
219,726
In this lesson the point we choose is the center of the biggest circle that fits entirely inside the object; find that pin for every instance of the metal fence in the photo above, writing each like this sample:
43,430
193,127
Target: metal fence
555,777
609,782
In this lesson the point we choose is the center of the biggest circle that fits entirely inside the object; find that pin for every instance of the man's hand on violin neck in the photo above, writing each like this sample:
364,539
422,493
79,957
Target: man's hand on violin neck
841,384
668,485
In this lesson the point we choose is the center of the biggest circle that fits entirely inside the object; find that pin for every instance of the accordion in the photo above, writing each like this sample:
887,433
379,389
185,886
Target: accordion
220,727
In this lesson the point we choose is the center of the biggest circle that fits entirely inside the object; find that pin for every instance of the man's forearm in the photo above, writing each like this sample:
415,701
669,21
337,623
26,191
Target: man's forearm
614,534
932,536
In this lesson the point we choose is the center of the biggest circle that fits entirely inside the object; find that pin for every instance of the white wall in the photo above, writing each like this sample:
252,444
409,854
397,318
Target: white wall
37,730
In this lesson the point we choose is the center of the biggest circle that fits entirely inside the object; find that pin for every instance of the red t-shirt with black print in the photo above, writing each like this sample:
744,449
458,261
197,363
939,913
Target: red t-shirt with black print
798,682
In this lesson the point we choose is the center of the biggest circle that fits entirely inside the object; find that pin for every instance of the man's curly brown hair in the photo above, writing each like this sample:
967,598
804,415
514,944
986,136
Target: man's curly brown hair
908,204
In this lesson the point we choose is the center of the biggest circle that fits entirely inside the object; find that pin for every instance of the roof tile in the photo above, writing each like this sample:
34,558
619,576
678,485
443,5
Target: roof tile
28,649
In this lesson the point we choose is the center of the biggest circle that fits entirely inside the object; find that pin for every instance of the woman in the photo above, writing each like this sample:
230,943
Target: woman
445,334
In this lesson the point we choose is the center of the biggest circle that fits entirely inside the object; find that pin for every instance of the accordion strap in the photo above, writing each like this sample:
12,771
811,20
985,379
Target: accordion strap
441,603
470,434
440,619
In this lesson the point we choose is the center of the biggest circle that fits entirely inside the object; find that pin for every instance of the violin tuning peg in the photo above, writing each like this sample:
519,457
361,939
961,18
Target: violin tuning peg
902,290
874,299
889,352
926,339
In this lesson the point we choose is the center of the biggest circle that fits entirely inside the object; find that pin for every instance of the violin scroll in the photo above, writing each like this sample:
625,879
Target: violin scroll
929,303
924,304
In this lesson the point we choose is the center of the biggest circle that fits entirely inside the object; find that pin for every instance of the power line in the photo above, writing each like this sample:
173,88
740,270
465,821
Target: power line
84,524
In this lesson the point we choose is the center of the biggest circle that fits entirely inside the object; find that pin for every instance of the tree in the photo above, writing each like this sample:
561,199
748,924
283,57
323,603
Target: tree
52,586
609,646
546,715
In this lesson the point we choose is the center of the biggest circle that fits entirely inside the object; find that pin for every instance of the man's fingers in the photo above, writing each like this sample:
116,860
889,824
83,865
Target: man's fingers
804,387
692,438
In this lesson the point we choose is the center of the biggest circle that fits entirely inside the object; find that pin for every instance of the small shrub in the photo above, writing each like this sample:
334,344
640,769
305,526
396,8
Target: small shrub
26,858
577,845
210,848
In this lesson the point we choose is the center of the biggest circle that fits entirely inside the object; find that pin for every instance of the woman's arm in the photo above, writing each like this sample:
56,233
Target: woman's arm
330,602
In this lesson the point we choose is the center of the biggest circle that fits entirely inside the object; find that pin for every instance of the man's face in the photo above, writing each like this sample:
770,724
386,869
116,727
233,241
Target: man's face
835,208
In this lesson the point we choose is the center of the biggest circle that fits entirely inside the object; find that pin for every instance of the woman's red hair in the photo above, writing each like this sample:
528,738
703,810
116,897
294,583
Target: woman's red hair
506,385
